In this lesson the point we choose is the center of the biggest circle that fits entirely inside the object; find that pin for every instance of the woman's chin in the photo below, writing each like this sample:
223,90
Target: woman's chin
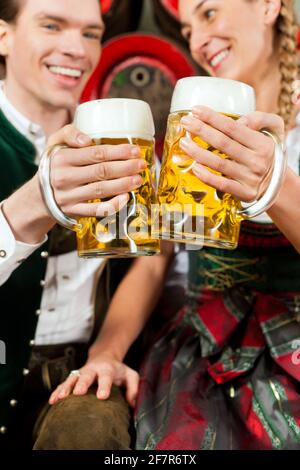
229,74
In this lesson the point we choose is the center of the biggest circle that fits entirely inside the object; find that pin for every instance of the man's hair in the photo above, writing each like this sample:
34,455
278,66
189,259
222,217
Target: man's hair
9,11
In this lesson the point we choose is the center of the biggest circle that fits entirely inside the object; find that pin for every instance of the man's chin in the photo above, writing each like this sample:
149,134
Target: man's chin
64,102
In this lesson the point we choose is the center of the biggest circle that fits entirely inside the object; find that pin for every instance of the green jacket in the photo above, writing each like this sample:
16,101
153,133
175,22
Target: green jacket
21,295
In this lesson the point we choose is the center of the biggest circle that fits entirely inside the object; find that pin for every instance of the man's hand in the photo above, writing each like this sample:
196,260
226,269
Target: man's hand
85,172
80,173
105,370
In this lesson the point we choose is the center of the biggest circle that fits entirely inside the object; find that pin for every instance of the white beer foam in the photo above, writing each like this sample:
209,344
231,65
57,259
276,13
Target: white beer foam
115,118
222,95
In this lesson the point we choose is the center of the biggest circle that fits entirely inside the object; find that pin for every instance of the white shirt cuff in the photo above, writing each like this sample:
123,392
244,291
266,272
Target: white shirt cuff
12,252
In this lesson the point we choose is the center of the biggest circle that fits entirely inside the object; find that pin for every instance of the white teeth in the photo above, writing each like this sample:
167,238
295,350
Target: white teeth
65,71
218,58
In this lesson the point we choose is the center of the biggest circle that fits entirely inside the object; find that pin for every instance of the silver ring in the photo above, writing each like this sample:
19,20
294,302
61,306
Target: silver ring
75,373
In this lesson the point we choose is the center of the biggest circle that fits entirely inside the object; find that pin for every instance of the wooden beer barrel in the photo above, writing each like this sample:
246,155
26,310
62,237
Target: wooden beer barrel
120,16
167,18
144,67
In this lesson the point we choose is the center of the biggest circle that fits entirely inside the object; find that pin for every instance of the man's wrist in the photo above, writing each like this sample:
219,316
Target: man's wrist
108,349
26,213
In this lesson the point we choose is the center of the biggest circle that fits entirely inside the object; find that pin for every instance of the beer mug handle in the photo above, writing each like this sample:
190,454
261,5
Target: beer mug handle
47,191
265,202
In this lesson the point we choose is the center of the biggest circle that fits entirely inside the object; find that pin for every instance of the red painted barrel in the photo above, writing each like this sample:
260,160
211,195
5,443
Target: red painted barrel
143,67
167,18
106,6
171,6
120,16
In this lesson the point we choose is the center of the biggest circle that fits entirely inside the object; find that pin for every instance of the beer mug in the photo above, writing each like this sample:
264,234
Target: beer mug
128,232
190,211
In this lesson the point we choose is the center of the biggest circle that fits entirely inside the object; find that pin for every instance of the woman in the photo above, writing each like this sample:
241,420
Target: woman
224,374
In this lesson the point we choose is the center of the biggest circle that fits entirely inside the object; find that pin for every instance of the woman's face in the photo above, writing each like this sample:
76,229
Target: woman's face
230,38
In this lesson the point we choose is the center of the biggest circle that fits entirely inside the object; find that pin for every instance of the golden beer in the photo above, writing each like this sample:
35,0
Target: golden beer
190,211
128,232
181,193
131,236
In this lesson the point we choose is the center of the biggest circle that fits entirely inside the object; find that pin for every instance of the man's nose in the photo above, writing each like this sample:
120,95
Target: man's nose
72,44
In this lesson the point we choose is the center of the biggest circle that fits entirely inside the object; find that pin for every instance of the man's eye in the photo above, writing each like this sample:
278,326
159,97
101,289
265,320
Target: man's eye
90,35
51,26
186,35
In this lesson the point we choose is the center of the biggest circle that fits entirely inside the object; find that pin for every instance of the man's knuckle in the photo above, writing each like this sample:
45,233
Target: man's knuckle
99,190
106,368
58,180
199,126
61,198
101,172
99,153
67,131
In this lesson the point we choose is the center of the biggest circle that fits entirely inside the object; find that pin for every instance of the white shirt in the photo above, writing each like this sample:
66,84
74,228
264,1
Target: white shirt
67,305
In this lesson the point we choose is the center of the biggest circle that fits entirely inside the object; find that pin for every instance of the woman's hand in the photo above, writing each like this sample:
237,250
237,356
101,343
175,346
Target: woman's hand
105,370
247,171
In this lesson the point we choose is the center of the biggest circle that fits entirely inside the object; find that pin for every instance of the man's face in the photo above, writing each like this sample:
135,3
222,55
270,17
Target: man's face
53,49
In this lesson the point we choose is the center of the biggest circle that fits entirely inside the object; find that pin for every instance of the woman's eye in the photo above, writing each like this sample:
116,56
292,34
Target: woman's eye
208,14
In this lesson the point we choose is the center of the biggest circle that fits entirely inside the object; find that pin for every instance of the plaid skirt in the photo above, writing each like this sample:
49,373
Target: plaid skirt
224,374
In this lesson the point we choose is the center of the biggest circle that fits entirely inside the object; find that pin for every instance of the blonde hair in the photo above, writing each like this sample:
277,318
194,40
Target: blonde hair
287,31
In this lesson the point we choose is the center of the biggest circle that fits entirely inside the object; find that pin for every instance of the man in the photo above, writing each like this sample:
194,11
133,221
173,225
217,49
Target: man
49,49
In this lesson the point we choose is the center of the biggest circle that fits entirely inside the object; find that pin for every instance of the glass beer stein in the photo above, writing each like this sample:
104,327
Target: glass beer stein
190,211
128,232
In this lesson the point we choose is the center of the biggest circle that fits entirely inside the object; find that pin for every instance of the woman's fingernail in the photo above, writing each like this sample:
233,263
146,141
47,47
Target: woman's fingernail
137,180
83,139
186,120
143,165
185,142
197,110
102,394
197,169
